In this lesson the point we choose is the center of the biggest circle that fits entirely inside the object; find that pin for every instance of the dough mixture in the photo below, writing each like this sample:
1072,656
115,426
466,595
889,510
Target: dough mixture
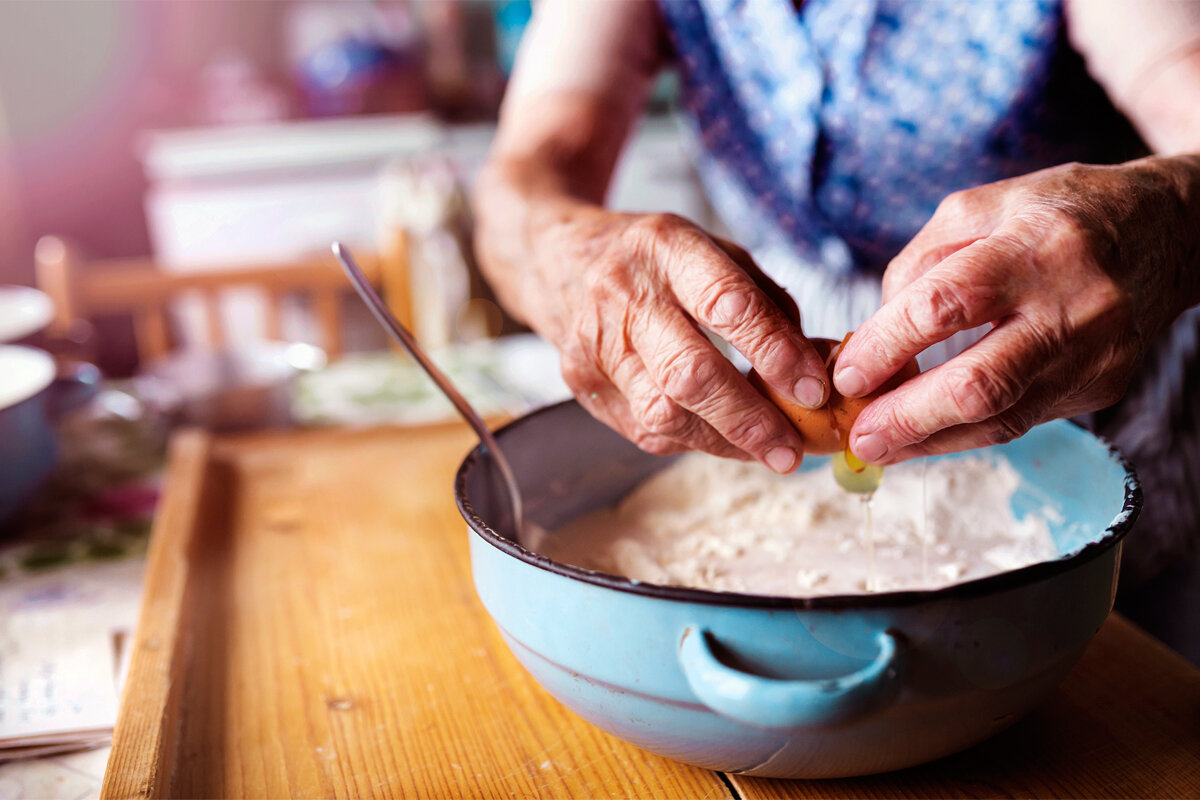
714,523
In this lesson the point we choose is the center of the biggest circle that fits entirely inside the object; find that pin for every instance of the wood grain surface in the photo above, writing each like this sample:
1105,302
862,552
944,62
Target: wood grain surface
1125,723
335,644
144,741
310,629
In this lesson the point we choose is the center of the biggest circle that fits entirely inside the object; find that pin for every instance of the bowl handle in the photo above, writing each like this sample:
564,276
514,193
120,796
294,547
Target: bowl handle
775,703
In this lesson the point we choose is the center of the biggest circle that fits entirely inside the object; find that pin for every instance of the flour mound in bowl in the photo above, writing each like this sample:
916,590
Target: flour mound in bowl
713,523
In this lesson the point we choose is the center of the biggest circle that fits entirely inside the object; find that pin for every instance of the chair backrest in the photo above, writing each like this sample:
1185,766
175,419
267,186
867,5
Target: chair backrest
81,291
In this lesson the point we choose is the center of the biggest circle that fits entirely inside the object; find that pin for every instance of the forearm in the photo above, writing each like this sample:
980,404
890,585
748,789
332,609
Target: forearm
1147,57
580,81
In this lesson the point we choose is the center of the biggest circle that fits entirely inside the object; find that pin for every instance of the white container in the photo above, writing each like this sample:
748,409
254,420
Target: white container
274,193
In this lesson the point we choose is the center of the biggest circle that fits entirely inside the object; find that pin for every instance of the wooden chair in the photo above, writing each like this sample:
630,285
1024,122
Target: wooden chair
84,290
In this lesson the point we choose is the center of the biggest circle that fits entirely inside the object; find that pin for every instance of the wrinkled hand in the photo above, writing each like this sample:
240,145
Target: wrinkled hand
625,297
1077,268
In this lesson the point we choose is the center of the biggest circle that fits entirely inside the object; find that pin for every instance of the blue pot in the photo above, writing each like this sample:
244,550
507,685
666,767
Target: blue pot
32,397
782,687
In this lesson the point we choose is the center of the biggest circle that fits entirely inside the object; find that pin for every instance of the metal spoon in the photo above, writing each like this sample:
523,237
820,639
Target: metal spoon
404,338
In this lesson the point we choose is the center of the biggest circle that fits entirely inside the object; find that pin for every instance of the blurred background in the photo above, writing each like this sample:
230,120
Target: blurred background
171,177
208,135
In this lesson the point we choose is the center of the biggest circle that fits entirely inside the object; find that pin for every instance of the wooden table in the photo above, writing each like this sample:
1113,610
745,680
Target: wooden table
310,629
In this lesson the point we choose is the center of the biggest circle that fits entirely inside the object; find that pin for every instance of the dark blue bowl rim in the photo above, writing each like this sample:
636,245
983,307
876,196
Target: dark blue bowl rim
992,584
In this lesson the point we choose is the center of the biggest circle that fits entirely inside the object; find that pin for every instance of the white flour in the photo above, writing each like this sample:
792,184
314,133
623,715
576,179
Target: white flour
713,523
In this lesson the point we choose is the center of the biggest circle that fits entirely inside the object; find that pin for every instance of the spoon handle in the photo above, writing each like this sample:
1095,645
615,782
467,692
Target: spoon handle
404,338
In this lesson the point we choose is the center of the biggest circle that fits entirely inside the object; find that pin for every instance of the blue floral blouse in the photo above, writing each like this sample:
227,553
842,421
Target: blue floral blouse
837,128
828,134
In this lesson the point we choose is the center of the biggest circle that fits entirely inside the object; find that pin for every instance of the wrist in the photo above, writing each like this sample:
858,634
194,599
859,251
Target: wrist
553,224
523,217
509,197
1182,233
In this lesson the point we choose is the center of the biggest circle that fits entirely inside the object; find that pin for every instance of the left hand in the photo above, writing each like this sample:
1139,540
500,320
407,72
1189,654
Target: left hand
1078,269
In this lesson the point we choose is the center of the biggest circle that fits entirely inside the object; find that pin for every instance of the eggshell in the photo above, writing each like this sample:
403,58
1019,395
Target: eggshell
827,429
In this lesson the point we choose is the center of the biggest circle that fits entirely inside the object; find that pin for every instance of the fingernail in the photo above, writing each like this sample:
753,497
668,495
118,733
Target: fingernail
809,392
781,459
850,381
869,447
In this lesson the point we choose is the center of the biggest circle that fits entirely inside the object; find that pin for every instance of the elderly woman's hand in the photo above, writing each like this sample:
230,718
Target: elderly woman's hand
626,298
1077,268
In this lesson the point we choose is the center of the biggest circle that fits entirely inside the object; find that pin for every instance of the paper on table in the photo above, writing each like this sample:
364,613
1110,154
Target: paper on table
60,636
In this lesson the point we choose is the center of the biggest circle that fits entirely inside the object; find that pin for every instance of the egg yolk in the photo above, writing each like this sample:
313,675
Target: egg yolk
854,475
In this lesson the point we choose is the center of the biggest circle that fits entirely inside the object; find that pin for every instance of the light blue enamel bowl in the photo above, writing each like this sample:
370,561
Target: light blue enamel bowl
782,687
33,394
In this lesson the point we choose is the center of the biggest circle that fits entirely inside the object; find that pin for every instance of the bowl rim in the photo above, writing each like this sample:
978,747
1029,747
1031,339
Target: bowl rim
43,373
1120,526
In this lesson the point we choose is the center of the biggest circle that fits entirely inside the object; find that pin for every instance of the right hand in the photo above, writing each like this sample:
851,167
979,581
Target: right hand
625,297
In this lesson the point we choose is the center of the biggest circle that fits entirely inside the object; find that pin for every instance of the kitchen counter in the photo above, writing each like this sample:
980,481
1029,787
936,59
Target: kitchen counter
310,629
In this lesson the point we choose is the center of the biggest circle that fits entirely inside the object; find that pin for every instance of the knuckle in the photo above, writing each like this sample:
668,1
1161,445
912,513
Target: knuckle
726,305
1045,342
1066,233
750,432
606,281
1076,169
775,353
901,430
688,377
1063,218
1008,427
1077,232
662,417
655,226
944,306
624,369
657,240
977,393
597,281
958,204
